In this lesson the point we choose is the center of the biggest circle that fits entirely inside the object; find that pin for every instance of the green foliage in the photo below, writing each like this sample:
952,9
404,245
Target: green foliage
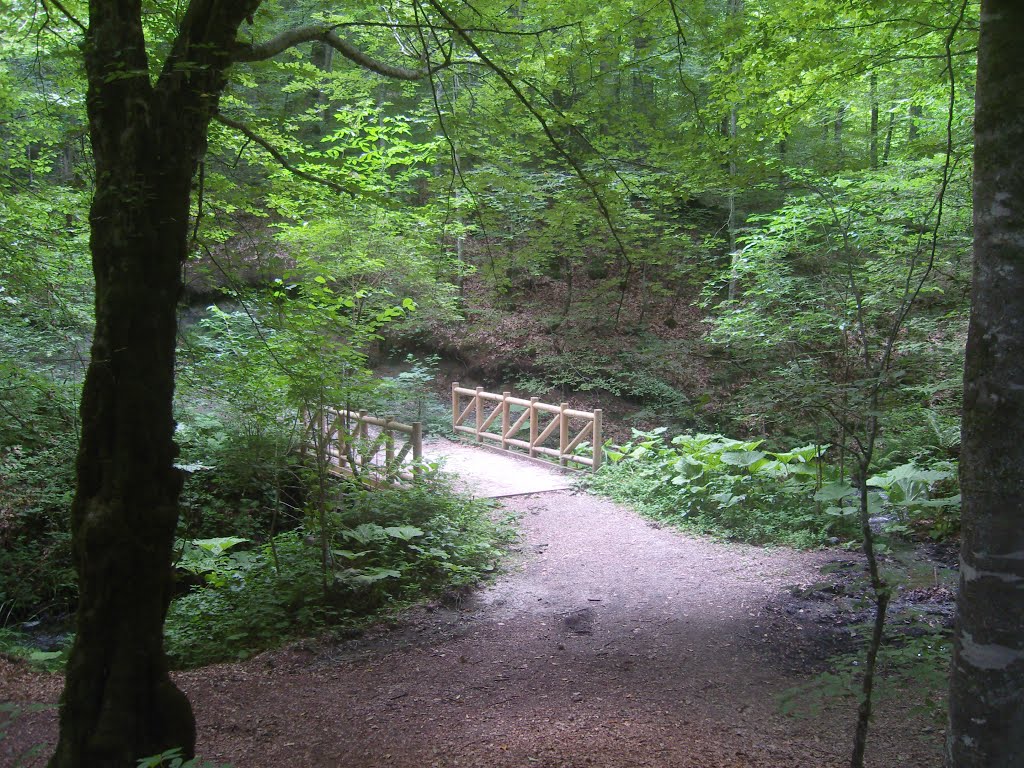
17,645
203,557
240,469
727,487
916,499
837,226
411,395
45,310
172,758
921,498
248,604
36,486
823,281
623,374
387,547
914,669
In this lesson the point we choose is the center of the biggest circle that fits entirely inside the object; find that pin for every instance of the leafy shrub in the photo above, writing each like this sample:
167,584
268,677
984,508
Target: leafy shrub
237,472
922,498
387,548
727,487
252,603
17,645
627,374
914,669
38,441
36,488
409,396
912,498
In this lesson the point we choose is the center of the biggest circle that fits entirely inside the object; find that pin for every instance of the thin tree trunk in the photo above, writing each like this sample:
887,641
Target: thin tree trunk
873,150
914,113
569,274
986,709
837,129
888,138
732,132
882,596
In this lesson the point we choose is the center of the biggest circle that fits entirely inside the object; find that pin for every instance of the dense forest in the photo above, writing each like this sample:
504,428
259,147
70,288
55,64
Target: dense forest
748,230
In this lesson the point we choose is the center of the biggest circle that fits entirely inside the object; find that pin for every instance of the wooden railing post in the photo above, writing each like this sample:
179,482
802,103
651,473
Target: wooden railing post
455,405
479,414
504,419
533,425
563,433
417,449
598,440
389,444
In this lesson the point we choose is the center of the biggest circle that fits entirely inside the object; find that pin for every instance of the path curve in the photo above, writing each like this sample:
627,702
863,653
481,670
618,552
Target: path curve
610,643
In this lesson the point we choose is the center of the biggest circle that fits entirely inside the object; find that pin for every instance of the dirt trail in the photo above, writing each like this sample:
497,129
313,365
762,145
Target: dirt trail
610,643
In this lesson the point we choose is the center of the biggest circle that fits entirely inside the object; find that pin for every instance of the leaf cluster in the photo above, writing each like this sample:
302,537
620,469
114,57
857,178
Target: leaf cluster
388,547
723,486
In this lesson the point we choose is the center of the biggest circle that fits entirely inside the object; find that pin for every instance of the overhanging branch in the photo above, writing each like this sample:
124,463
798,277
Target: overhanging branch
553,140
283,161
67,14
324,34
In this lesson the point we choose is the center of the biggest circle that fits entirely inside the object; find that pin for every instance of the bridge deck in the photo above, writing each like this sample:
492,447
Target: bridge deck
491,473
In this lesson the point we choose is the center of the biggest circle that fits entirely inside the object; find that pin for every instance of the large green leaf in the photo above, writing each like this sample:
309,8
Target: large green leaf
742,458
365,533
835,491
220,545
403,532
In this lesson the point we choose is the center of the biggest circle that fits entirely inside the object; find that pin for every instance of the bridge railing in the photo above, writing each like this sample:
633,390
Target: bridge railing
500,418
376,450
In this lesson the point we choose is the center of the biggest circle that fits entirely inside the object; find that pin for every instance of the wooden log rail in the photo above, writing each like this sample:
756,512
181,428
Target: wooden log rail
488,416
373,449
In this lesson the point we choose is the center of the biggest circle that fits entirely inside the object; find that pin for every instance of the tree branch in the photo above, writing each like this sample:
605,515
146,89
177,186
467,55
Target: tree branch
553,140
67,14
275,153
325,34
471,30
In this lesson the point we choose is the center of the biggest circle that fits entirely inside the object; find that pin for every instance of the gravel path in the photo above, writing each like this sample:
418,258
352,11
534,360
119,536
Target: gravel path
610,643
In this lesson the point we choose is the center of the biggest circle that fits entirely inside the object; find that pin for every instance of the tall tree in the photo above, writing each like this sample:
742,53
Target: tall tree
148,124
986,718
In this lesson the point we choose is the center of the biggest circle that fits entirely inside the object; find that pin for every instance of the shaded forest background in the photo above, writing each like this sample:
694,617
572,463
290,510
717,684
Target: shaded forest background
687,214
748,219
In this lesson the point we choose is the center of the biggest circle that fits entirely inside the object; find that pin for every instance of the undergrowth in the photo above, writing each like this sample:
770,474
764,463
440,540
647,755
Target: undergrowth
913,669
17,645
728,488
736,490
386,548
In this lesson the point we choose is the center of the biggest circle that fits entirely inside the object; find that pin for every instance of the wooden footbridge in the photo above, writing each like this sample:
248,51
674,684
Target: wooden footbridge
532,446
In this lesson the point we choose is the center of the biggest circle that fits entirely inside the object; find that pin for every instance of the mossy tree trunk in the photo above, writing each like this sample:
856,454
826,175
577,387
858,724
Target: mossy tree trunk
986,723
147,135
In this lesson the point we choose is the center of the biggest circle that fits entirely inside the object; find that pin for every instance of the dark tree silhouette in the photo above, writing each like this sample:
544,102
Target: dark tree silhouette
148,134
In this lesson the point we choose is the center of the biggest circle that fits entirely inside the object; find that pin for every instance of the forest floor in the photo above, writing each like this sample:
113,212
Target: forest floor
607,642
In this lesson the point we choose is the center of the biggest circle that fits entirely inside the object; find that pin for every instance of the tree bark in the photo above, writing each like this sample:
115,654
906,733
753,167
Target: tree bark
914,114
119,704
873,131
986,713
